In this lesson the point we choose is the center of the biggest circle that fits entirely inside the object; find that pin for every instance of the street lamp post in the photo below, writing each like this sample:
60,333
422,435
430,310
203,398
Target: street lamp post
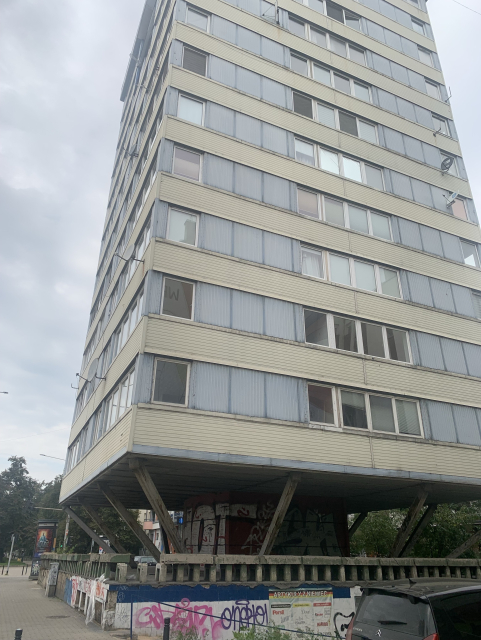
11,551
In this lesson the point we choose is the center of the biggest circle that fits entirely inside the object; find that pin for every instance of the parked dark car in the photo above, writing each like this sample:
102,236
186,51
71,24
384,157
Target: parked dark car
429,609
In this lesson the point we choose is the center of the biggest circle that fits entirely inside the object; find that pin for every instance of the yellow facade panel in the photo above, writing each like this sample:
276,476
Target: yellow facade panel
72,479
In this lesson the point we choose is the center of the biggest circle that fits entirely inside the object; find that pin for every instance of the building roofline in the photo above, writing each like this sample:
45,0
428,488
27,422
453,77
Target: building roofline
138,50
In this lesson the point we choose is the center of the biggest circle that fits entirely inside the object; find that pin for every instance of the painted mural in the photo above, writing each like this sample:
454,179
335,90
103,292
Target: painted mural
237,523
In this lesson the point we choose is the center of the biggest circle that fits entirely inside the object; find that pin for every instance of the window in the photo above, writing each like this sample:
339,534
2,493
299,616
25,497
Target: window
362,92
345,333
470,254
186,163
382,415
408,417
348,123
197,19
316,328
296,27
194,61
170,382
364,276
334,211
191,110
305,152
352,169
334,11
367,131
459,209
299,65
177,299
358,219
380,226
389,280
118,402
321,404
302,105
398,345
339,269
321,74
372,339
182,227
374,177
341,83
326,115
425,56
477,304
354,413
352,21
432,90
357,55
318,37
312,263
307,203
418,26
329,161
338,46
440,125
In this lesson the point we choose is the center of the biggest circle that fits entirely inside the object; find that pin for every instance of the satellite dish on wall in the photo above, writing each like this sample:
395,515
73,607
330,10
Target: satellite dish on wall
92,370
452,198
447,163
129,252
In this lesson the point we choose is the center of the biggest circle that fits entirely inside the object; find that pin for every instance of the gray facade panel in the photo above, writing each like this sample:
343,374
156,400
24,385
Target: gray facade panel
248,392
442,421
276,191
431,240
454,356
273,51
463,300
212,305
249,82
152,292
442,295
381,64
282,398
394,40
410,234
414,148
222,71
144,375
421,192
406,109
248,182
218,172
249,40
280,319
401,185
419,289
216,234
274,92
430,354
387,101
466,425
247,312
394,140
209,387
219,118
274,138
432,155
472,353
224,29
451,247
423,116
247,128
248,243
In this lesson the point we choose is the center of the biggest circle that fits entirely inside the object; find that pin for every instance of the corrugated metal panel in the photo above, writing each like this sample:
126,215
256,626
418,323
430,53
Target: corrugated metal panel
222,71
425,419
416,357
424,117
249,40
396,234
170,101
394,40
279,319
219,118
432,155
212,304
454,356
252,6
249,82
272,50
466,425
223,29
413,148
377,32
159,219
276,191
215,234
421,192
277,251
387,100
394,140
463,300
387,10
410,234
218,172
406,109
451,247
144,375
274,92
381,64
274,138
209,387
401,185
282,398
165,155
152,292
247,312
248,393
248,243
248,182
439,199
472,353
430,353
419,288
442,421
410,49
247,128
442,295
403,18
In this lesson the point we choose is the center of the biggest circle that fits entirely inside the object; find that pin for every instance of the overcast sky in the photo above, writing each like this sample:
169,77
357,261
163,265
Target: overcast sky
62,63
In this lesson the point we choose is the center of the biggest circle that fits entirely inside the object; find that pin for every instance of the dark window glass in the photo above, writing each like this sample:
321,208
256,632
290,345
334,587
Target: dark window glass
302,105
458,617
316,327
334,211
354,410
307,203
381,414
194,61
177,298
347,123
297,28
398,345
372,339
320,404
335,12
345,333
299,65
396,613
170,382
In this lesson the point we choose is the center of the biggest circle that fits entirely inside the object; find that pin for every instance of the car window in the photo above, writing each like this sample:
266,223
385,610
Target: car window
458,617
395,612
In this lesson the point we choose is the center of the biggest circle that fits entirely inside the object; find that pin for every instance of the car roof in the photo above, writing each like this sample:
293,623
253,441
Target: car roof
426,587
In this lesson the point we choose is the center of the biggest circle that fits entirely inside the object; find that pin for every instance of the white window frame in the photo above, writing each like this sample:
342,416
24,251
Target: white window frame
318,196
443,123
427,54
352,272
352,81
323,260
201,156
477,257
335,409
299,21
419,24
168,277
190,213
477,304
341,157
187,46
337,111
187,382
196,10
199,100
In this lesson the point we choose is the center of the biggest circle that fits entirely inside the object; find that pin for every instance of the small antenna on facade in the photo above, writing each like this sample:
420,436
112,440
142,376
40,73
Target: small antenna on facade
449,97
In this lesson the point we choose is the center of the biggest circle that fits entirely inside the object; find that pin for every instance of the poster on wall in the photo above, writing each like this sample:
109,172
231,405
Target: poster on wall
301,609
46,537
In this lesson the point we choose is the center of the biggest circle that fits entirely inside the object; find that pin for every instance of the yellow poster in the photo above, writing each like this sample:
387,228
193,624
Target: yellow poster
301,609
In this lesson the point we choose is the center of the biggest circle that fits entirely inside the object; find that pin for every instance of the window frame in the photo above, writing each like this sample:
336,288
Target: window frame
201,157
341,174
190,213
162,297
352,81
335,409
189,97
442,125
206,56
337,121
187,381
453,169
477,257
420,24
204,13
426,54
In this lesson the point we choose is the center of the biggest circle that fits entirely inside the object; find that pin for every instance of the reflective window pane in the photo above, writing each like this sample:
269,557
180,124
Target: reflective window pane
425,56
470,254
362,92
339,269
334,211
382,416
354,410
357,55
321,74
342,84
316,328
459,210
326,116
329,161
365,278
334,11
380,226
397,342
197,19
304,152
307,203
433,91
182,227
319,37
190,110
170,382
389,282
312,263
347,123
374,177
299,65
321,407
296,27
358,219
417,26
177,300
372,339
352,169
345,333
186,163
338,46
353,21
367,131
302,105
440,125
408,418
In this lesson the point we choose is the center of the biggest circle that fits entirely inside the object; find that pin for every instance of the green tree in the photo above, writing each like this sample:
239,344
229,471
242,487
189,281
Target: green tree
19,493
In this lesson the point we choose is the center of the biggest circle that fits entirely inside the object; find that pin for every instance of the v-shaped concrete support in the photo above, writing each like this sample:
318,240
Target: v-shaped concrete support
280,513
88,530
106,530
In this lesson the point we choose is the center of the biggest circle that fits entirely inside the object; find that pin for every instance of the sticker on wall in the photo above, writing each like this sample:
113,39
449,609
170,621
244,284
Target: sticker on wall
301,609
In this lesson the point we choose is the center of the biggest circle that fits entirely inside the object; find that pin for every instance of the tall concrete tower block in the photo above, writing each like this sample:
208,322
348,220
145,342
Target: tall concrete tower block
288,295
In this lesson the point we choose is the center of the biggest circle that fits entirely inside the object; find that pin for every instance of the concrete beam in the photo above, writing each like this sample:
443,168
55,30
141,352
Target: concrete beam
88,530
357,523
466,545
407,525
280,513
106,530
418,529
157,504
131,522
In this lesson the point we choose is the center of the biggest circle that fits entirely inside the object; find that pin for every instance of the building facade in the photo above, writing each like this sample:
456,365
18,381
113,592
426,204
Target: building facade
304,292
